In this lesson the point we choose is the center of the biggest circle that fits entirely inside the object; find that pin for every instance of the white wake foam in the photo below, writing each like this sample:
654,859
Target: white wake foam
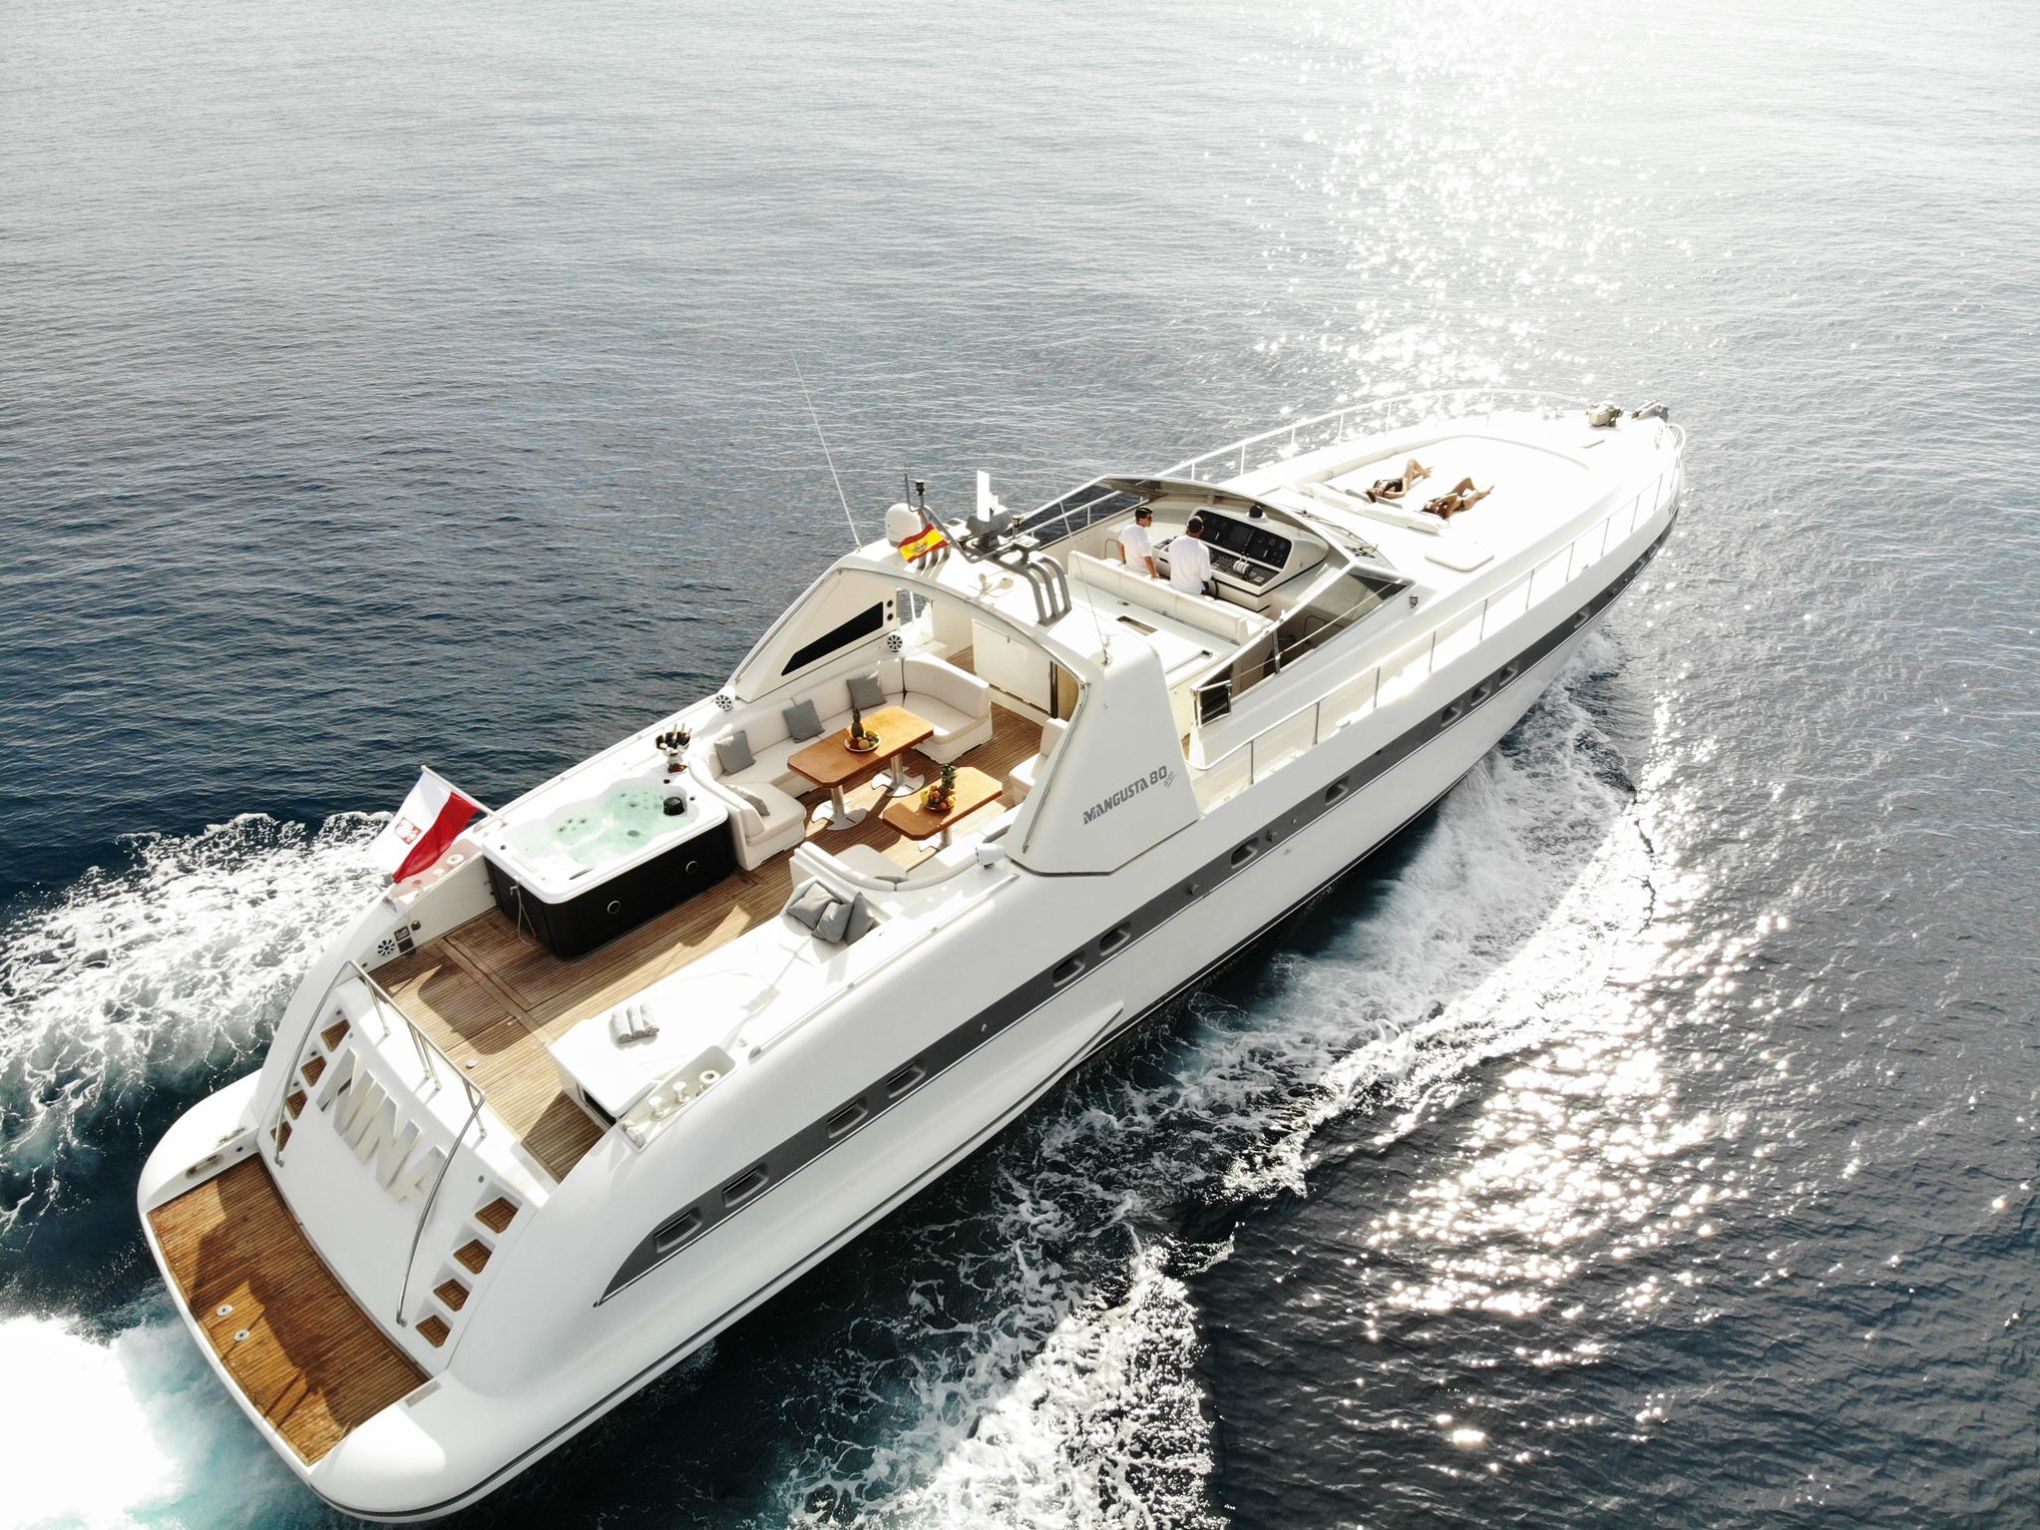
129,1432
157,976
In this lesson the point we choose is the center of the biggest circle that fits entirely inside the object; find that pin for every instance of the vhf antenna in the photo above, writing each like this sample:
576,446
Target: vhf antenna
826,457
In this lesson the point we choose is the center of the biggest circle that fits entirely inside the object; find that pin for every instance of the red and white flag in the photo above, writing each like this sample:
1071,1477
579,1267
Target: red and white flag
425,827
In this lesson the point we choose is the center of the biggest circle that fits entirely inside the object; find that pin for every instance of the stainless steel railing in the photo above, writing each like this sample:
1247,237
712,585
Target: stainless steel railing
431,1057
1279,742
1057,519
1286,441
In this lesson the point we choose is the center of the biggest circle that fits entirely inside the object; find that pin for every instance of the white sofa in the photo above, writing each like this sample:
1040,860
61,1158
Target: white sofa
1024,777
764,796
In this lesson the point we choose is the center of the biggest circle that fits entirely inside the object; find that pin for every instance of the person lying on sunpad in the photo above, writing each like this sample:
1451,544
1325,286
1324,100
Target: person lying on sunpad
1461,496
1393,489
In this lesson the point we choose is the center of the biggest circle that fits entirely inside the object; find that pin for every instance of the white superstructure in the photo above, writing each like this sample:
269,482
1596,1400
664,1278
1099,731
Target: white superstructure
654,1039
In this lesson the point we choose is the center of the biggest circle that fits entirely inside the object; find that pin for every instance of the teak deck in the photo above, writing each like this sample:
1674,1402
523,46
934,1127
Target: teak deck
312,1362
493,999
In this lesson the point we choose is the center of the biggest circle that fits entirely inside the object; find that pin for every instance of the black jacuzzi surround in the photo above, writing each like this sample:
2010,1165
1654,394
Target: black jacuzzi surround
623,902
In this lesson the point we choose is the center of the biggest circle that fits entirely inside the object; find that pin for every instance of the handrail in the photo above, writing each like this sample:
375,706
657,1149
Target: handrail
432,1199
1189,465
318,1009
427,1049
1040,516
423,1044
477,1097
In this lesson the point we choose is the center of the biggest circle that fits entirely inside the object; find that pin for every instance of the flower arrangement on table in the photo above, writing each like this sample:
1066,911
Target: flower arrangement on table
860,739
941,796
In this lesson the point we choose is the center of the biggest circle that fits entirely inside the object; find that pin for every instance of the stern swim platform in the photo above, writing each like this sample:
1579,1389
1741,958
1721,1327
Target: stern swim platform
302,1353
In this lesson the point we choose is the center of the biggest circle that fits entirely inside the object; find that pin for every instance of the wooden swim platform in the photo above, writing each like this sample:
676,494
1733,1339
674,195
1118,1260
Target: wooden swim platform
302,1352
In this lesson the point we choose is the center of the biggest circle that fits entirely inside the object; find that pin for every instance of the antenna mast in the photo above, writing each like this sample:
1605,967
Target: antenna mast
826,456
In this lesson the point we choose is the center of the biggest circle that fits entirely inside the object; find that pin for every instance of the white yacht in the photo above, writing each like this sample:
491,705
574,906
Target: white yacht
655,1038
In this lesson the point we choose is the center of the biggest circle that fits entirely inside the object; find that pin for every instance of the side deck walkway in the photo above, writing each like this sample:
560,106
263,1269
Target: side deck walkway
310,1360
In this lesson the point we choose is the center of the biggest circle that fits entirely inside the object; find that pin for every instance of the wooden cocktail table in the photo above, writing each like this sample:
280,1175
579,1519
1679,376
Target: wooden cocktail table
830,761
974,789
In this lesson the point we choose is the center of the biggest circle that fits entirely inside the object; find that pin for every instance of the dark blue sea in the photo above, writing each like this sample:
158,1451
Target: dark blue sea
1647,1137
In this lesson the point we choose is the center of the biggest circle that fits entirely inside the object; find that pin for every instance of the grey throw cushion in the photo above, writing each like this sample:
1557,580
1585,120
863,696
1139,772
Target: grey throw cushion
834,922
861,919
801,721
866,694
811,903
756,802
733,753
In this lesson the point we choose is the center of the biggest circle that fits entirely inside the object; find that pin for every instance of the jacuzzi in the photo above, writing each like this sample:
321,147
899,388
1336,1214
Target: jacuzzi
581,871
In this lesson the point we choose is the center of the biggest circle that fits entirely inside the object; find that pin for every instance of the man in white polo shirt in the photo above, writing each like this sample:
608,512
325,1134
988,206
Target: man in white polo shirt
1190,559
1136,547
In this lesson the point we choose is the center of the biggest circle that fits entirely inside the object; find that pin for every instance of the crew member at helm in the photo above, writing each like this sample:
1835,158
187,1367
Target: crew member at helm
1190,559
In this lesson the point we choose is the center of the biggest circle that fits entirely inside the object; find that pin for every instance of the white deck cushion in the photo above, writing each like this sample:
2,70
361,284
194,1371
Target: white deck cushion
1353,498
1025,776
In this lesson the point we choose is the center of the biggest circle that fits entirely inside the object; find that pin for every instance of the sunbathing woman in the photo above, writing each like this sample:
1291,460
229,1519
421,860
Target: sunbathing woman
1392,489
1461,496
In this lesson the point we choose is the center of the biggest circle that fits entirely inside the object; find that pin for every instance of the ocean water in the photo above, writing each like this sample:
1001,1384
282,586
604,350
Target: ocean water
1647,1137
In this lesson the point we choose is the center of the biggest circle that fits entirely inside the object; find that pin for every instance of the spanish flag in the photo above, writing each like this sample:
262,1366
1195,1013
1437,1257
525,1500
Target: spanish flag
922,543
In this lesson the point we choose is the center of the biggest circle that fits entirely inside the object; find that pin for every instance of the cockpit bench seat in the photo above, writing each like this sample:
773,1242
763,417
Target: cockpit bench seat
1218,618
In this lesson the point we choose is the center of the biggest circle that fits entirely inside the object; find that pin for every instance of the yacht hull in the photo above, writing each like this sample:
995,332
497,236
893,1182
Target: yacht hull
812,1087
